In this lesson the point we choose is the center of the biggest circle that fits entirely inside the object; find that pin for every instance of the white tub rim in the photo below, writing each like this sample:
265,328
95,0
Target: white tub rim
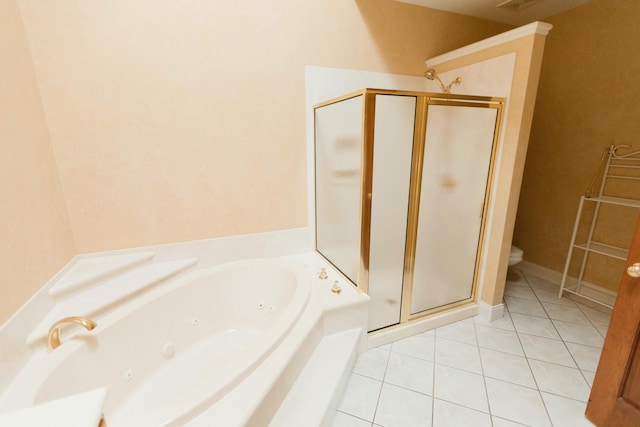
196,398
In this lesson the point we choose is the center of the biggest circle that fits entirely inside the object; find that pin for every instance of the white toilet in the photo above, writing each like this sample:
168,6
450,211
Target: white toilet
516,255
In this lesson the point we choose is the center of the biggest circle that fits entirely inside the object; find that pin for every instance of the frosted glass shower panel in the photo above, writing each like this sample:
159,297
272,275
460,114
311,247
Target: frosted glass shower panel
392,148
457,157
338,146
401,190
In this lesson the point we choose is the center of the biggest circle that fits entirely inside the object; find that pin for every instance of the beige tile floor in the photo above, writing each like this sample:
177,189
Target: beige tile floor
533,367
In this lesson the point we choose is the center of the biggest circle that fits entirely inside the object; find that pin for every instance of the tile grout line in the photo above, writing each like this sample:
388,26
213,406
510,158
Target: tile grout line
565,342
589,317
535,380
577,364
484,377
524,281
591,323
382,383
550,319
433,383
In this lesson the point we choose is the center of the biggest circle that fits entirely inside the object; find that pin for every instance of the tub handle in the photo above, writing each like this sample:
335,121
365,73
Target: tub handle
53,340
336,289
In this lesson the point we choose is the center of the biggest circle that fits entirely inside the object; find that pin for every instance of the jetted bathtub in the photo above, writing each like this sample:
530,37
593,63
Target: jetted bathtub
178,351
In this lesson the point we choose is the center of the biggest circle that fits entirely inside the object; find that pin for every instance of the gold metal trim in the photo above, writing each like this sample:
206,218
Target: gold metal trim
439,310
456,103
340,98
53,339
487,198
433,95
420,131
442,308
336,289
423,315
414,203
423,101
366,183
346,97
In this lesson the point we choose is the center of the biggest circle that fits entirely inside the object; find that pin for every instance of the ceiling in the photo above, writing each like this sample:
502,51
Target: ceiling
514,12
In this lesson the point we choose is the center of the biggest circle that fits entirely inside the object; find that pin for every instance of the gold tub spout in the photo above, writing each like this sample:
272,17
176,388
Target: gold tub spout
53,341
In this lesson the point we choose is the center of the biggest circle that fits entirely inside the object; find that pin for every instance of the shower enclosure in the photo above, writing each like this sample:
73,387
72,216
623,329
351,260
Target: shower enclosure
402,188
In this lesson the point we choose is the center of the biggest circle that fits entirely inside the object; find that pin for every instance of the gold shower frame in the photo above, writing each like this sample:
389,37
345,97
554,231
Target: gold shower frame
423,101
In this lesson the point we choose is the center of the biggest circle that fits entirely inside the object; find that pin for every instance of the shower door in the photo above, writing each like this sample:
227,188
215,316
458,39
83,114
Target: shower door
338,151
391,176
402,183
455,172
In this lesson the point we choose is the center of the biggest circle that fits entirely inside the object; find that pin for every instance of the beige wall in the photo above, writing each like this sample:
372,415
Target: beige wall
35,235
173,121
587,100
505,187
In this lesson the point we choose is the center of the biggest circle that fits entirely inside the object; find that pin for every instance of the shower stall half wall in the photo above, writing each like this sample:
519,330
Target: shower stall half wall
402,183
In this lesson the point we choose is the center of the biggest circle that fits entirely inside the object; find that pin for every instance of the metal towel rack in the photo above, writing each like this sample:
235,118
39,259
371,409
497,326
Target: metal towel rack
615,166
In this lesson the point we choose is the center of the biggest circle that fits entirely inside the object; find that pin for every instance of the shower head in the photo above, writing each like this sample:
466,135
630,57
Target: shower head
432,75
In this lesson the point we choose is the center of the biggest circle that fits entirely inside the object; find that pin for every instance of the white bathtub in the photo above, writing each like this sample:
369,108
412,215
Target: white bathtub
177,352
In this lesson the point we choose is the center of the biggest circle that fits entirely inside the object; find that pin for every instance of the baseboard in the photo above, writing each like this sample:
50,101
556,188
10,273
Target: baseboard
489,313
588,289
555,277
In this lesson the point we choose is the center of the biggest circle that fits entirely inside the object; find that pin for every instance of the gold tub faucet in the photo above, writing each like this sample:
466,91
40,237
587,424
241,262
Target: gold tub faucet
53,341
